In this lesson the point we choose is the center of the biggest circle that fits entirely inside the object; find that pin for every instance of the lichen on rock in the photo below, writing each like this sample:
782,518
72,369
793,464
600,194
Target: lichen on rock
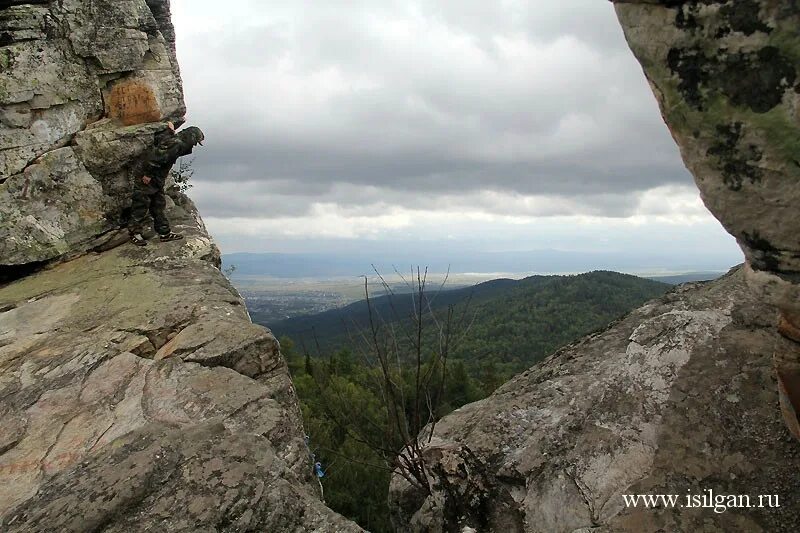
137,393
65,66
726,76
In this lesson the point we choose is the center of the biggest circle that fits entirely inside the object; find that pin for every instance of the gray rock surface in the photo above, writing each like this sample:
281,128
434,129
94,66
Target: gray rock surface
66,67
136,395
726,75
678,397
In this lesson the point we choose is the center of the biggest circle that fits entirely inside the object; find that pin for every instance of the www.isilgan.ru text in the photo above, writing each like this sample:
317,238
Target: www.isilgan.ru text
706,499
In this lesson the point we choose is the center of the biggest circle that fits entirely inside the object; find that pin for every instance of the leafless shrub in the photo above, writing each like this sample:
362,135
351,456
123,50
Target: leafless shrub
406,354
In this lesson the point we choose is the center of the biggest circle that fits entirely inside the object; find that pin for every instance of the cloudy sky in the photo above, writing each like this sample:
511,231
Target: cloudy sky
431,124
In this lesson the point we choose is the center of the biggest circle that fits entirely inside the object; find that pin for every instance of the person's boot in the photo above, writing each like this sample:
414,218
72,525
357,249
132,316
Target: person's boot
171,237
138,240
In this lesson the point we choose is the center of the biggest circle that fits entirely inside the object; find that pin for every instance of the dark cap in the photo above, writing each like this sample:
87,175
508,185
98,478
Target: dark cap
192,134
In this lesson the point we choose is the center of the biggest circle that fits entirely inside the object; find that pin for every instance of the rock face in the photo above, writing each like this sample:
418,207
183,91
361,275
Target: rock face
81,84
676,398
727,78
726,75
136,395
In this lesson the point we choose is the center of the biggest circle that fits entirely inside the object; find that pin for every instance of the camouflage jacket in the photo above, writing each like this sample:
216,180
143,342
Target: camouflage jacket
159,159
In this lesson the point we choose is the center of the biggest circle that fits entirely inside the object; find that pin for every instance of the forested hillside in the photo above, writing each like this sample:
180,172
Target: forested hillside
330,328
498,328
535,317
507,324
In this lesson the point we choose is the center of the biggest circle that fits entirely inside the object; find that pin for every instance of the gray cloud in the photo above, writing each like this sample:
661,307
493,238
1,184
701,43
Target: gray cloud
360,102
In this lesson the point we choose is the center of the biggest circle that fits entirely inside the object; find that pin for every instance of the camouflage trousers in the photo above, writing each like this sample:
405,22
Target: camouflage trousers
148,200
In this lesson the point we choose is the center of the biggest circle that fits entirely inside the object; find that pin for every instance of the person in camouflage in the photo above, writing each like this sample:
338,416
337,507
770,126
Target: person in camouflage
148,189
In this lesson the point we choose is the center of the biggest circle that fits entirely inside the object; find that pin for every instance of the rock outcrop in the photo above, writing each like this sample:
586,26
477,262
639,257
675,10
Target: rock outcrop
135,393
83,86
726,74
676,398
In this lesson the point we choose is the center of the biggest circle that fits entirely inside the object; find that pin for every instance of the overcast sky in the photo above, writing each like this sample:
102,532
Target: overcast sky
504,125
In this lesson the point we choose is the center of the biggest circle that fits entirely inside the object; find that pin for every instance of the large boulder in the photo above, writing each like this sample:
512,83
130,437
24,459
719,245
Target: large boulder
137,395
68,68
677,398
726,74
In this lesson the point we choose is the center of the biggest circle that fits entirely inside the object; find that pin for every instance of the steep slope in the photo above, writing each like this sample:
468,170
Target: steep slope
137,394
677,397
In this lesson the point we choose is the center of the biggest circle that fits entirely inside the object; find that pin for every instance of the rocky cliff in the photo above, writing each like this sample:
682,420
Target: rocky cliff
135,393
726,75
83,88
679,397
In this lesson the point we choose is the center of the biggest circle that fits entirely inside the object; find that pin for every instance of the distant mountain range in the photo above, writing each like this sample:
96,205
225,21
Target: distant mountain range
327,265
512,323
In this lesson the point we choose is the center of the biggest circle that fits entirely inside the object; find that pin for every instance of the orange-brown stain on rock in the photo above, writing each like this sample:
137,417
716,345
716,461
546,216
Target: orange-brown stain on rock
132,103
